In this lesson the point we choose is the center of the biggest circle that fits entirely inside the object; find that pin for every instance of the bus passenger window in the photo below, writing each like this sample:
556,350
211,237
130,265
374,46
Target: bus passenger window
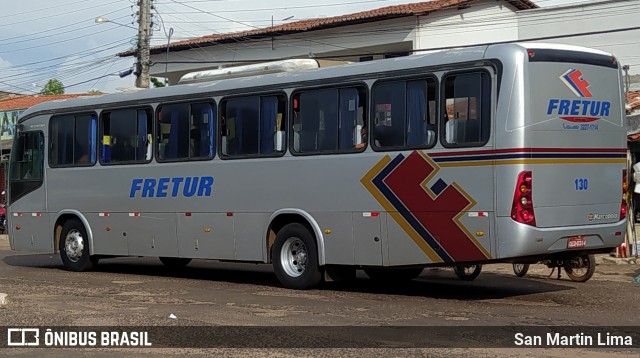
73,140
404,114
329,120
125,136
185,131
253,126
467,109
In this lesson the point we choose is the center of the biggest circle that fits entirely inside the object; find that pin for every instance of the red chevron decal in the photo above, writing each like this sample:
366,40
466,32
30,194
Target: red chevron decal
437,216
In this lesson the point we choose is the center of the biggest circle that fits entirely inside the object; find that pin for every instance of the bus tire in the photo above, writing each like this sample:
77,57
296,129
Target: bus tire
74,247
581,268
520,269
391,275
175,262
295,258
467,272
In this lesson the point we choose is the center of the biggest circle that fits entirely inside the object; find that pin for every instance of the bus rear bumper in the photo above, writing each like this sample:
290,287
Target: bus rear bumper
519,240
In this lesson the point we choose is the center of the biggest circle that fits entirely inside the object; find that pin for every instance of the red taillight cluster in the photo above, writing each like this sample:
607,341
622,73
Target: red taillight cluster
522,208
625,186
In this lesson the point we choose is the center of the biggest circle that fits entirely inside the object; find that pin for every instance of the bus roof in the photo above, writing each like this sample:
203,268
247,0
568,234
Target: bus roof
177,92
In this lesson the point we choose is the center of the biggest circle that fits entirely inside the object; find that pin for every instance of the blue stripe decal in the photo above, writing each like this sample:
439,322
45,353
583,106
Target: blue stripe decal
527,156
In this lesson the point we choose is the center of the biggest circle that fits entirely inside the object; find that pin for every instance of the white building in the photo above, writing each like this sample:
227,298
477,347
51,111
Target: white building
609,25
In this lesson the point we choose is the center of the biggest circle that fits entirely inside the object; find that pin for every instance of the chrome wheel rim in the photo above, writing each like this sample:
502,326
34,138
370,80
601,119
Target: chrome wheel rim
293,257
74,245
518,267
468,270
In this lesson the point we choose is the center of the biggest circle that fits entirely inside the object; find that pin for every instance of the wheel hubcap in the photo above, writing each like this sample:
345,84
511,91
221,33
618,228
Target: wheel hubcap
74,245
294,257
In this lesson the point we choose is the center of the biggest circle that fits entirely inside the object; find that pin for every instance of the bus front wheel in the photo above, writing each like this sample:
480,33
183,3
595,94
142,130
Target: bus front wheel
74,247
295,258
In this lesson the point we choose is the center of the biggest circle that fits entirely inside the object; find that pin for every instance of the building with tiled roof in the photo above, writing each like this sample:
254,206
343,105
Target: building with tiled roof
22,102
405,29
381,14
5,95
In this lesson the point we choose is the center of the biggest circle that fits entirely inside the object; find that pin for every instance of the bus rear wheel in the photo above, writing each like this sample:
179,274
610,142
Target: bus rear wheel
467,272
74,247
295,258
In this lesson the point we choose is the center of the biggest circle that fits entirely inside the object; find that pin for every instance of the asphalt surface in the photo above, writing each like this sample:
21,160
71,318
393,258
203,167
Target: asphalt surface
140,292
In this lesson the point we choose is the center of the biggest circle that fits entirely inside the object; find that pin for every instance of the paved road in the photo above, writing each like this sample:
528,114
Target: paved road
142,292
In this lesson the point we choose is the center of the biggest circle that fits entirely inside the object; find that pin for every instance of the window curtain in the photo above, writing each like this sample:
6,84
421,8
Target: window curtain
348,114
141,148
207,134
268,116
92,138
66,130
172,148
416,110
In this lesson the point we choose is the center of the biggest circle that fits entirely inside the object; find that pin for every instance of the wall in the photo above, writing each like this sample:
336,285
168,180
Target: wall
593,16
481,23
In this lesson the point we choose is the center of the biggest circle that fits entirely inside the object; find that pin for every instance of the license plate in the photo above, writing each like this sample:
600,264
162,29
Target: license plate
576,242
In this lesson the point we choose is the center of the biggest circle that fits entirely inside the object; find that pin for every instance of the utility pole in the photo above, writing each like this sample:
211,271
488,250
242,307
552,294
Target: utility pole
144,37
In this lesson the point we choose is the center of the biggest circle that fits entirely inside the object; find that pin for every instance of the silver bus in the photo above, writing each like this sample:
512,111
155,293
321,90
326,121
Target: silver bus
499,153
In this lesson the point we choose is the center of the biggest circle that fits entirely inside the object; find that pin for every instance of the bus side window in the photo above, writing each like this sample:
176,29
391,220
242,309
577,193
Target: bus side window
253,125
389,114
125,135
73,140
467,99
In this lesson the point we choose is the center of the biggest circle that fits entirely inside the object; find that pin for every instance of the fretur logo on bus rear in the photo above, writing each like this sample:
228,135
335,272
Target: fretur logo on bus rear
581,110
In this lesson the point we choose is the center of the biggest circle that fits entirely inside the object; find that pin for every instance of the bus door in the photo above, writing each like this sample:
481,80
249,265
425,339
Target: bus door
28,221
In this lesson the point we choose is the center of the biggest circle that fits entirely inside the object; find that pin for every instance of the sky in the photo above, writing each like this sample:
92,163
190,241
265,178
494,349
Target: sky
45,39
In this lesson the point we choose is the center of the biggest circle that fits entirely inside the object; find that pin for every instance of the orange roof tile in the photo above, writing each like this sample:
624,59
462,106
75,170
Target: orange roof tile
24,102
389,12
633,101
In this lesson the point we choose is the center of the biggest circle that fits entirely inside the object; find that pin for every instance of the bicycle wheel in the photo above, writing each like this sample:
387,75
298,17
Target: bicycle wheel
581,268
520,269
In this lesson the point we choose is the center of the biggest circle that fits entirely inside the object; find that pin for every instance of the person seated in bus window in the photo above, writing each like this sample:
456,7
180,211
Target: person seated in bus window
363,138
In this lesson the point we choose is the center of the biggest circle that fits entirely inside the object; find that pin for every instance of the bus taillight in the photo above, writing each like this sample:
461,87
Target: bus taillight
625,187
522,207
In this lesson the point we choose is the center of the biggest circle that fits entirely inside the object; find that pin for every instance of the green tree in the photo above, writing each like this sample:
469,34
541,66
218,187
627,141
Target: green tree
156,82
53,86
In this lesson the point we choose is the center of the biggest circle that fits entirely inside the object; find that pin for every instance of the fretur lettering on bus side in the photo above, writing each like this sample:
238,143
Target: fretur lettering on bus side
171,187
579,107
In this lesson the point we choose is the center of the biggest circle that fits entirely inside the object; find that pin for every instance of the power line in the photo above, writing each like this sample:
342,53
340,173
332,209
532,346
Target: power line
56,15
22,39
